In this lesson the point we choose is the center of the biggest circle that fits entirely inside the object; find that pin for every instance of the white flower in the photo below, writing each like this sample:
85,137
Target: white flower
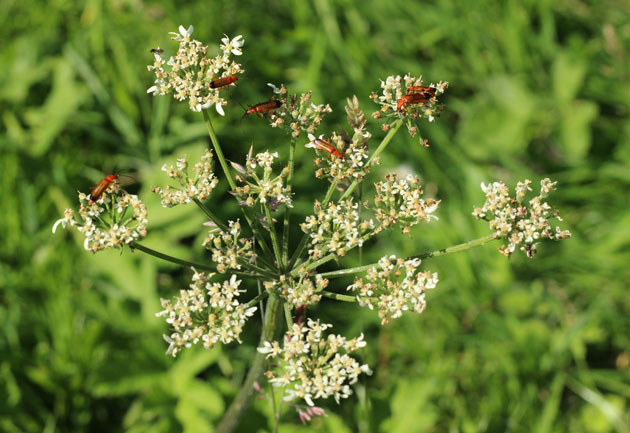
394,286
233,45
183,35
190,74
400,202
207,313
200,186
228,249
68,218
336,229
520,223
311,365
295,113
120,222
407,99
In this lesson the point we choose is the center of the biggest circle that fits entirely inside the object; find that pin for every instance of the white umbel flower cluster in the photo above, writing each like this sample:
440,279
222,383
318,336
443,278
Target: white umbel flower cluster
199,186
262,187
298,291
296,114
115,219
394,286
311,365
208,313
227,248
336,229
400,202
407,99
346,156
192,75
520,223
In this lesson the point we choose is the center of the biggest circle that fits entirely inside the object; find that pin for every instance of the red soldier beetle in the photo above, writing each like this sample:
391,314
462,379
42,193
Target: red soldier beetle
430,91
222,82
99,189
264,107
411,98
319,144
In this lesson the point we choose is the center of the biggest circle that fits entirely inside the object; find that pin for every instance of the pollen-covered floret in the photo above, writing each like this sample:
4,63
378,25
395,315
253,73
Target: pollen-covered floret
311,366
199,186
115,219
407,99
336,229
295,114
400,202
520,223
191,73
301,290
257,185
208,313
346,159
228,249
393,286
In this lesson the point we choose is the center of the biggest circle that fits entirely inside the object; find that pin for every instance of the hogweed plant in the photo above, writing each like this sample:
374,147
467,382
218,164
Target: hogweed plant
301,356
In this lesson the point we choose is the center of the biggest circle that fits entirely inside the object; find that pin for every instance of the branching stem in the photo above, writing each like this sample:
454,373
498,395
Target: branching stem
230,179
199,266
454,249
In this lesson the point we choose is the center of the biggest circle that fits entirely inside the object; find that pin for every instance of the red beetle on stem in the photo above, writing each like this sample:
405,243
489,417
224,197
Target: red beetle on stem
264,107
319,144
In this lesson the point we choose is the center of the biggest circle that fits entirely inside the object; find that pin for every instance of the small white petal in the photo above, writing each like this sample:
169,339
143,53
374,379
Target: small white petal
61,221
275,89
219,108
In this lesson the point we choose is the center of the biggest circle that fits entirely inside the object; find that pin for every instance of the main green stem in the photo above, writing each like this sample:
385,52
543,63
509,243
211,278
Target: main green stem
270,327
454,249
287,209
230,179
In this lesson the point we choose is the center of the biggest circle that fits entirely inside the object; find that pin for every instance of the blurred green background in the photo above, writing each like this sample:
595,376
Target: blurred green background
539,88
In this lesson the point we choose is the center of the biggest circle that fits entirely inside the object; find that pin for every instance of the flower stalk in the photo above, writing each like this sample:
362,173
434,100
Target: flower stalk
200,266
442,252
270,329
287,209
274,236
215,219
388,138
230,179
218,151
